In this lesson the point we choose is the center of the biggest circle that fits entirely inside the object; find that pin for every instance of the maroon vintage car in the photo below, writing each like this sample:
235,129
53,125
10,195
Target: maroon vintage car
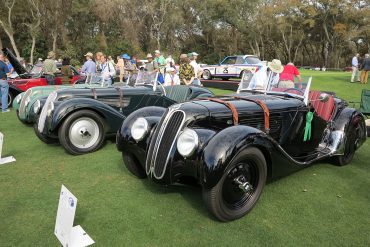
33,77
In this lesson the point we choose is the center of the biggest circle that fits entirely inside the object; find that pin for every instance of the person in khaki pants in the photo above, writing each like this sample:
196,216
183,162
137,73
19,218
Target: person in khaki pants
365,67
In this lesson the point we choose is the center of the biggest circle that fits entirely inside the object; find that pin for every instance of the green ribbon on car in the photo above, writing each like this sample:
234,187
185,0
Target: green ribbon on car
307,129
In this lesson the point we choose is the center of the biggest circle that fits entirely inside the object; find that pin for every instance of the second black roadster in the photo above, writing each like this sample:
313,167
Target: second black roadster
82,118
233,145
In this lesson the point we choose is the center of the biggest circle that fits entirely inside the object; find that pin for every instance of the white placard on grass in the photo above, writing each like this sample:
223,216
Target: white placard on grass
67,234
6,159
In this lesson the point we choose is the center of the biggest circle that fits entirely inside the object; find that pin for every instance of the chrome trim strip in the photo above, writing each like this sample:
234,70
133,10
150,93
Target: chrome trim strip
23,102
42,119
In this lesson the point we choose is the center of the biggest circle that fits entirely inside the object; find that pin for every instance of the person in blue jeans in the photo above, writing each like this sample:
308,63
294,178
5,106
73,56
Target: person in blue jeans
4,72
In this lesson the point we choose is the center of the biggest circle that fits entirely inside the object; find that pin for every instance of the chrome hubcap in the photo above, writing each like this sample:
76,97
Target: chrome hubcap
84,133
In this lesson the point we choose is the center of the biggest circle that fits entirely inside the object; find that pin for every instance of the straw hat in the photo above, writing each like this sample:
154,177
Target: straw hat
149,55
89,54
276,66
51,54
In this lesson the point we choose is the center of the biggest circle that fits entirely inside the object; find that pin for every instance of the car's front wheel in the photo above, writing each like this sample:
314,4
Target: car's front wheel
207,75
240,186
44,138
133,165
82,132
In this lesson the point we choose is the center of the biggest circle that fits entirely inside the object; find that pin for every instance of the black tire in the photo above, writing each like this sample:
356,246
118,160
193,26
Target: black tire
226,200
207,75
225,78
82,117
44,138
352,135
368,131
133,165
10,99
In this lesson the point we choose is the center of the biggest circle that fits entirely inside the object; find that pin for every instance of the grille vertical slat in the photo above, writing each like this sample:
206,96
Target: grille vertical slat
161,146
23,102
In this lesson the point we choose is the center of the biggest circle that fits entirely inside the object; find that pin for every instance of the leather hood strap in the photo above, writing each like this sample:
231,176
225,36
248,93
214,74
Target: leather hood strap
265,109
233,109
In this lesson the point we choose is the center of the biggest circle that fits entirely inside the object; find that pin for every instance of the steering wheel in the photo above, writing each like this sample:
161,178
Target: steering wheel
300,92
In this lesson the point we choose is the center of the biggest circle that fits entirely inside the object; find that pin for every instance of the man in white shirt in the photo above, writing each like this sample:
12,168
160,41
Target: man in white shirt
197,69
107,70
171,78
355,68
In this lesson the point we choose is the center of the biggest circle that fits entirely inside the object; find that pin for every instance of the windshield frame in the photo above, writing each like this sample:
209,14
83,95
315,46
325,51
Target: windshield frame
269,86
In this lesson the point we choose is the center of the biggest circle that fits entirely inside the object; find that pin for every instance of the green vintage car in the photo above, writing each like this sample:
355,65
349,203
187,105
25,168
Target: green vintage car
25,102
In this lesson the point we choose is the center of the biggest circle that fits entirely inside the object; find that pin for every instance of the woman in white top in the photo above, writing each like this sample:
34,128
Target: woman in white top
171,78
107,70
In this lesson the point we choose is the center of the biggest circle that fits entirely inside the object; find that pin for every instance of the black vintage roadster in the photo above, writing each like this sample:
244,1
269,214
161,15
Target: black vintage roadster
81,118
233,145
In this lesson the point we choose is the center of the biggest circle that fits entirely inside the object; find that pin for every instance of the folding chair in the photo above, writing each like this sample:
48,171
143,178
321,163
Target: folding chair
365,107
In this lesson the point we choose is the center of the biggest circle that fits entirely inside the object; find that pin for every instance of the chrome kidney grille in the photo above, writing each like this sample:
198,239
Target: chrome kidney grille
163,142
44,112
23,102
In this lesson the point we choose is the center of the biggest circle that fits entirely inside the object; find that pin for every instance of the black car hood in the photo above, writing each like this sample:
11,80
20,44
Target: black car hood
14,61
219,115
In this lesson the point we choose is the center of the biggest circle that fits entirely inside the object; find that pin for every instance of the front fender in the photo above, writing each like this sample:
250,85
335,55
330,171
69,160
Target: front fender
221,149
124,140
113,118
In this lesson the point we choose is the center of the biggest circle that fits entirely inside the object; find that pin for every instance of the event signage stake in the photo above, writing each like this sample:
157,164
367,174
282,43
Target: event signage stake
6,159
67,234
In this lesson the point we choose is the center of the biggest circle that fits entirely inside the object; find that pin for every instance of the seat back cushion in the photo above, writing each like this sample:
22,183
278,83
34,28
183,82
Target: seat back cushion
178,93
365,102
323,109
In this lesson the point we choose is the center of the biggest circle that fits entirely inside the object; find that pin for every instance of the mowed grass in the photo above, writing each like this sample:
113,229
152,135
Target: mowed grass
323,205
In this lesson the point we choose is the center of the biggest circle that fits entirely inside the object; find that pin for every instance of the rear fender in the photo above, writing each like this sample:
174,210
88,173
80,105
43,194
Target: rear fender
343,121
221,149
113,118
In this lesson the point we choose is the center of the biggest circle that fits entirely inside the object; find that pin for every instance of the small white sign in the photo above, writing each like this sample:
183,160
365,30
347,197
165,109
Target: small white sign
68,235
6,159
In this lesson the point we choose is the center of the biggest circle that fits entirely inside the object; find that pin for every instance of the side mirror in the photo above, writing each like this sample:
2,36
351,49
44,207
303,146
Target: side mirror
324,97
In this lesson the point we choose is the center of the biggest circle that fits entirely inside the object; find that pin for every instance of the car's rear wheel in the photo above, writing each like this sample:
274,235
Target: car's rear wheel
225,78
133,165
207,75
240,186
82,132
44,138
352,137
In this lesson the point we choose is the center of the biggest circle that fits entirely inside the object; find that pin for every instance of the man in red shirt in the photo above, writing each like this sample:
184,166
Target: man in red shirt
286,78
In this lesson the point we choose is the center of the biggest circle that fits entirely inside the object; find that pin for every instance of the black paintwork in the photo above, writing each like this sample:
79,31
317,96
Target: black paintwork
220,141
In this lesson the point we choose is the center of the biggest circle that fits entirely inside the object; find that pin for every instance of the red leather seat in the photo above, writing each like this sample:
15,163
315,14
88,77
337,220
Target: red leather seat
323,109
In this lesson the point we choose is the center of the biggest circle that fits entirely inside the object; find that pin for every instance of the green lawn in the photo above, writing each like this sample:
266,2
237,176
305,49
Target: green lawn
116,209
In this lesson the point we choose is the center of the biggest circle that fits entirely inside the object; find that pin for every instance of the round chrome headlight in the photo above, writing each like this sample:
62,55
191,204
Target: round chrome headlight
18,99
139,129
36,107
187,142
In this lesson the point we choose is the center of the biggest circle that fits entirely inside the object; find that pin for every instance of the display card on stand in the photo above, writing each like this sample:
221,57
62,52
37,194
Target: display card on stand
67,234
4,160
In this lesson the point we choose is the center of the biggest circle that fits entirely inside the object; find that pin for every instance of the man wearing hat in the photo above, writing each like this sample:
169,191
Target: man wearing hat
160,60
276,68
89,67
50,68
151,65
197,69
171,78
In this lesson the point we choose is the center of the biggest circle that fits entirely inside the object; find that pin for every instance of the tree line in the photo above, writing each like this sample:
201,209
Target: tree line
307,32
